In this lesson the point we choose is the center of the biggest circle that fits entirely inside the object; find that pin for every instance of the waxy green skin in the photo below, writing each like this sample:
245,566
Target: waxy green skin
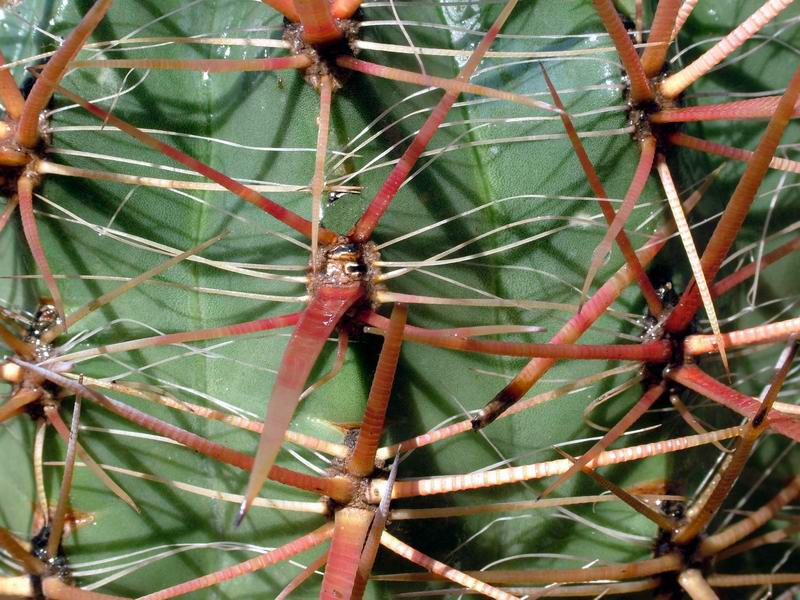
278,110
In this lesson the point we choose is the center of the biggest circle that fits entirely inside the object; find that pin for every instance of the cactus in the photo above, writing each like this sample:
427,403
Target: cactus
495,243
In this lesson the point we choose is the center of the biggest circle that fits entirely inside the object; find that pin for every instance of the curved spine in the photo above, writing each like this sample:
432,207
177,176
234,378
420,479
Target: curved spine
11,545
730,580
31,230
684,12
57,522
104,299
694,584
318,179
689,247
648,149
303,576
731,281
46,84
711,499
648,291
61,428
11,204
580,322
18,401
453,86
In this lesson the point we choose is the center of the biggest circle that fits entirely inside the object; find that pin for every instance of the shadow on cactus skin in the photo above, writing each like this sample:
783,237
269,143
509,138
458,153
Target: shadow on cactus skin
262,126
